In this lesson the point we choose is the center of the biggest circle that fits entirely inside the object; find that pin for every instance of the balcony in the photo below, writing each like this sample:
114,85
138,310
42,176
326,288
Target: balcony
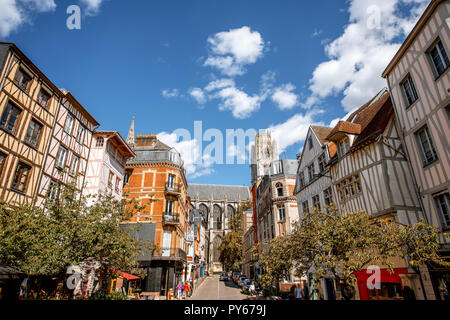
170,254
172,188
171,218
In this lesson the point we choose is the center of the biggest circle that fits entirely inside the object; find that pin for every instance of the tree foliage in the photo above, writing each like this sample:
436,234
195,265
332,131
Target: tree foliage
68,232
230,249
340,245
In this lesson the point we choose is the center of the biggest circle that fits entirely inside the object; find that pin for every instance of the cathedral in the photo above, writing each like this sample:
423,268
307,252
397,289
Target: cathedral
217,204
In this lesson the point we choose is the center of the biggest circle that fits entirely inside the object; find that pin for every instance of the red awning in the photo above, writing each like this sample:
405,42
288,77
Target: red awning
128,276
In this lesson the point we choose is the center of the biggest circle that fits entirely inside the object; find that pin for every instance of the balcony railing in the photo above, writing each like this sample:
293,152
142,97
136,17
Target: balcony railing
170,254
171,218
173,188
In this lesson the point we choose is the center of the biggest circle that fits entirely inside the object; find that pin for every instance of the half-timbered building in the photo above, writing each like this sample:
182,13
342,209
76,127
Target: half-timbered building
29,104
370,173
419,79
69,149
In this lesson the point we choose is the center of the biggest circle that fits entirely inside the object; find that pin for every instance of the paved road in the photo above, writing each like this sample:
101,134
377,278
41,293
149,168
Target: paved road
213,289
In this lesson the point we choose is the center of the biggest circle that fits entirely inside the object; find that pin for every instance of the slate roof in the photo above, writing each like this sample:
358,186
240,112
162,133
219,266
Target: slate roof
219,192
290,167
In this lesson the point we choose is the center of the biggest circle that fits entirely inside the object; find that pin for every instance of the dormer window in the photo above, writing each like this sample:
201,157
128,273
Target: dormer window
344,146
279,188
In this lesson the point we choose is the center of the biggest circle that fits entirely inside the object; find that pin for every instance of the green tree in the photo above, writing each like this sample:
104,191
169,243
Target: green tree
68,232
230,249
343,244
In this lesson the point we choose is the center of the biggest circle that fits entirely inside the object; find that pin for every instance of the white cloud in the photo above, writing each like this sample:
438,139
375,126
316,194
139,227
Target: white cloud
284,97
232,50
358,57
14,13
191,154
170,93
198,95
240,103
92,6
219,84
293,130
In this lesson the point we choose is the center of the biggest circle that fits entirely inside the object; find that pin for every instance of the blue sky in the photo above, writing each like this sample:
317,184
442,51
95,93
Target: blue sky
260,64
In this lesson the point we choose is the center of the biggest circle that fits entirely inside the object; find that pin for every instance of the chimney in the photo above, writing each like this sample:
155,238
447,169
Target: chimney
148,140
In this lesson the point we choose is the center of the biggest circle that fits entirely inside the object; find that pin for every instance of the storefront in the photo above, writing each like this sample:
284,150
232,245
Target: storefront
440,278
389,288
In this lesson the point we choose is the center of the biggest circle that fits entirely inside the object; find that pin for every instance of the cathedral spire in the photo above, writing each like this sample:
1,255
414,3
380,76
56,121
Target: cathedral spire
130,138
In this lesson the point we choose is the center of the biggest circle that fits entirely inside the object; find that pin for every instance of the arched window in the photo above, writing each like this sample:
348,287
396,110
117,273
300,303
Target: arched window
217,216
216,243
204,211
279,188
230,214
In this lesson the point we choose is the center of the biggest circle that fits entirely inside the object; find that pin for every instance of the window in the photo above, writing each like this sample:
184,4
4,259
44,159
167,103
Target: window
310,142
53,190
409,91
117,184
311,172
281,212
316,202
344,146
426,146
438,58
302,179
349,187
9,117
80,134
21,177
171,181
69,124
305,206
279,188
3,157
442,203
61,157
110,179
322,162
328,197
33,133
100,142
172,156
43,98
169,206
277,167
22,79
74,165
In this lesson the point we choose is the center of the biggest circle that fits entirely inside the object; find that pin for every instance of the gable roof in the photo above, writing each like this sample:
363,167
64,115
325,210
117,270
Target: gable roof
321,133
412,35
122,145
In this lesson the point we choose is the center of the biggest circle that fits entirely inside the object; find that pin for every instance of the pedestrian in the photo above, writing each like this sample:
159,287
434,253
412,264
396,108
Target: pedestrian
306,292
179,289
298,292
186,289
252,289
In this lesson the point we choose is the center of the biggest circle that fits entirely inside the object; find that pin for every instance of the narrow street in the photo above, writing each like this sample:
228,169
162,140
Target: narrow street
213,289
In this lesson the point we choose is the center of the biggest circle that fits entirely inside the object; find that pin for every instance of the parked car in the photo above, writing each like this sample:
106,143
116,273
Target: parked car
224,277
241,281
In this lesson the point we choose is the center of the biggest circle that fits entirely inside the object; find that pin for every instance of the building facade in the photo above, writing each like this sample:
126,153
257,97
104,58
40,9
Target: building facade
107,164
313,184
156,180
419,81
370,173
29,104
69,149
218,204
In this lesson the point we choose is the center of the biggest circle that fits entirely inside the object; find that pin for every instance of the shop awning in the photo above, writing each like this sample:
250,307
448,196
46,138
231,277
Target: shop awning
127,276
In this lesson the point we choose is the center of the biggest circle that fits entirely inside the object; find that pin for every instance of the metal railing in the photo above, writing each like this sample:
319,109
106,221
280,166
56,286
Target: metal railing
173,187
170,253
169,217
